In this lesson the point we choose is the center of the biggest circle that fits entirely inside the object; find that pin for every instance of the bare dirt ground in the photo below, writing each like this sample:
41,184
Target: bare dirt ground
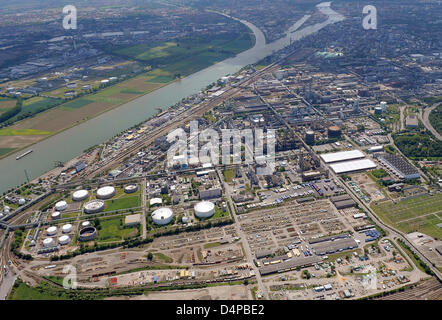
18,141
237,292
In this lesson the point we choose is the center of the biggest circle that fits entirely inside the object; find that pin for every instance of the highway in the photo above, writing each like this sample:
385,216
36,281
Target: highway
426,120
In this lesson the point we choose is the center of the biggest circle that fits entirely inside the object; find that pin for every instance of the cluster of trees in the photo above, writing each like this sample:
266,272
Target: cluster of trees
16,245
195,227
422,264
418,145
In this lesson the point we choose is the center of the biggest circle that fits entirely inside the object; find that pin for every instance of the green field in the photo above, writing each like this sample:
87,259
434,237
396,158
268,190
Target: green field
185,56
163,257
123,203
131,91
229,174
23,132
4,151
413,214
112,230
25,292
76,104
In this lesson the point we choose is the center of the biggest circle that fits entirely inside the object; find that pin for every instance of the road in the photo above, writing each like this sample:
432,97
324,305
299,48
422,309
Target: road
426,121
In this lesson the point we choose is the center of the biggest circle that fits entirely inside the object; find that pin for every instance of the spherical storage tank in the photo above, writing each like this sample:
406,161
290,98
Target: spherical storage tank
80,195
204,209
56,215
105,193
131,188
48,242
162,216
67,228
61,205
94,206
51,231
63,240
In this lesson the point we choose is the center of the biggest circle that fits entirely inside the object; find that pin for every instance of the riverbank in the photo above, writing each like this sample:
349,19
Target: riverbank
180,61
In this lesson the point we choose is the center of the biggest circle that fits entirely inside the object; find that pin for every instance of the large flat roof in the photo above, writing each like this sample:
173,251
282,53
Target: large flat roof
342,156
350,166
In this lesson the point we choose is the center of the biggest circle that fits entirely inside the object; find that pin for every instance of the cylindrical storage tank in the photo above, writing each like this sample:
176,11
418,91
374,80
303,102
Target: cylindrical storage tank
63,240
80,195
162,216
56,215
67,228
204,209
87,234
185,219
105,193
377,110
94,206
61,205
334,132
51,231
310,137
131,188
85,224
22,201
48,242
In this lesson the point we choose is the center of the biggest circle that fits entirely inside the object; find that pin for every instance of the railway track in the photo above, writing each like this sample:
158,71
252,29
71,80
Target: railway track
190,114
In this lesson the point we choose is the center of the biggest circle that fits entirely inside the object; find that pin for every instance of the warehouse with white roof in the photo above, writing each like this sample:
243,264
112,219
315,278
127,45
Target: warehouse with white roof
342,156
352,166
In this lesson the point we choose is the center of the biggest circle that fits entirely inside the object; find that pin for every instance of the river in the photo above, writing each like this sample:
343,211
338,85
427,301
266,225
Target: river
71,142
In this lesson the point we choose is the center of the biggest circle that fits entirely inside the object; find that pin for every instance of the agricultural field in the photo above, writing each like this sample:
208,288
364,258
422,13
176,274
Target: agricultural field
6,104
5,151
417,214
185,56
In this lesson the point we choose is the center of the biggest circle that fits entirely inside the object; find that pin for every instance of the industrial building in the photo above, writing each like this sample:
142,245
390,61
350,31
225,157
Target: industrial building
342,156
353,166
289,265
399,166
330,247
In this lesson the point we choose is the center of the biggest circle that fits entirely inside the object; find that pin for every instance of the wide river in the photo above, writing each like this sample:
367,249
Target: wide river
71,142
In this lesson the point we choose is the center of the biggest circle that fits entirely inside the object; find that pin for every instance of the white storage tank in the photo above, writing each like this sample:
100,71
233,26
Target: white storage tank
22,201
51,230
63,240
67,228
94,206
61,205
131,188
85,224
48,242
56,215
80,195
162,216
185,219
105,192
204,209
